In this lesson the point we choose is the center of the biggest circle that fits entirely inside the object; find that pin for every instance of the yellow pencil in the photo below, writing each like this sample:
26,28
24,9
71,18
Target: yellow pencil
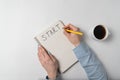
74,32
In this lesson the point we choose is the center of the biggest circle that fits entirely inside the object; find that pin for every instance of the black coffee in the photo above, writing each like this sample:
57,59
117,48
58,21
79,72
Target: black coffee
99,32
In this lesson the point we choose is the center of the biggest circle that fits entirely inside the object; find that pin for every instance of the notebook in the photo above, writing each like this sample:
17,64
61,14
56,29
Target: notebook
54,40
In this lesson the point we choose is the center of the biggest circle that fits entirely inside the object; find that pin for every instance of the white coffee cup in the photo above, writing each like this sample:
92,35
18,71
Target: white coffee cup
99,32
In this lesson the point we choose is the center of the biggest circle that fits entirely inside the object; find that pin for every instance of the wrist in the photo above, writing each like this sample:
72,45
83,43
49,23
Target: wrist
76,44
52,76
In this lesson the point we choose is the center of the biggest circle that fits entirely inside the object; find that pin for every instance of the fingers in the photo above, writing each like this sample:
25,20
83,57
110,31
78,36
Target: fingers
67,34
71,27
42,53
53,58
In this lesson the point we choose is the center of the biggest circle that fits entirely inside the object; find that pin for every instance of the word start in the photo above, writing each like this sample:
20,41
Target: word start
50,32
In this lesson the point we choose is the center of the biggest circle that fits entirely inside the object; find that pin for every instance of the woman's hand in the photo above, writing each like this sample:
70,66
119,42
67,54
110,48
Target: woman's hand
49,62
73,38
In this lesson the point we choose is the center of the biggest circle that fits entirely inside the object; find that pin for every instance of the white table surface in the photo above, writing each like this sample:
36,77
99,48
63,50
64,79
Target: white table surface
21,20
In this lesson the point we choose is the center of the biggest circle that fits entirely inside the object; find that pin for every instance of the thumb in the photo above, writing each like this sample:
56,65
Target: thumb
72,27
67,34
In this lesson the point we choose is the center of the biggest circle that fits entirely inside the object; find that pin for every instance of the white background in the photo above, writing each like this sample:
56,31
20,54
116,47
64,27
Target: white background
22,20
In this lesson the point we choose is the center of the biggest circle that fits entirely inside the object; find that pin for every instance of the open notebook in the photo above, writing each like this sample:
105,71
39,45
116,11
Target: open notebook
54,40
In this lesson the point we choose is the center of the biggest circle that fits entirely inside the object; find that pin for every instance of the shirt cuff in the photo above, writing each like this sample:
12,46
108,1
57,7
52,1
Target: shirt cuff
47,78
58,77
